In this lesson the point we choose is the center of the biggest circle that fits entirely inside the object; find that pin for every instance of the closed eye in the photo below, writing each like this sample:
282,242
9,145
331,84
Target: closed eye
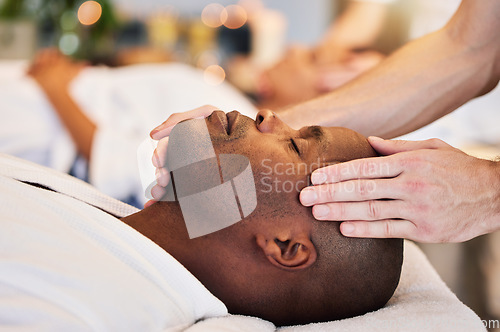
294,146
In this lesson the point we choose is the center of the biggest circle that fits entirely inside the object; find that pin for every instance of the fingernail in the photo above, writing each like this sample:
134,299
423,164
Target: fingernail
153,132
318,178
160,132
321,211
347,228
149,203
375,138
308,197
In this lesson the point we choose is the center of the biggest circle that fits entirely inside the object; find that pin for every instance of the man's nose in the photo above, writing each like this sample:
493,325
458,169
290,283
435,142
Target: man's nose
268,122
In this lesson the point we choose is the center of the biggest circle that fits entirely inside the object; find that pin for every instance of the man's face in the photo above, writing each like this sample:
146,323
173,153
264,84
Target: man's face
283,158
291,80
270,143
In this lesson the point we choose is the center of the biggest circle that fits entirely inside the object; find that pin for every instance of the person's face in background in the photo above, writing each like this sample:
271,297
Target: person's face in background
290,81
301,75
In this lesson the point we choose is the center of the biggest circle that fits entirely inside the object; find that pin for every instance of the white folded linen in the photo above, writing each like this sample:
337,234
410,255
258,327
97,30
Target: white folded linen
66,265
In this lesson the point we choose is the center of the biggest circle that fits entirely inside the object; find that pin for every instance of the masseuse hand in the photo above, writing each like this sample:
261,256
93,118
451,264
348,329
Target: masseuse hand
425,191
161,134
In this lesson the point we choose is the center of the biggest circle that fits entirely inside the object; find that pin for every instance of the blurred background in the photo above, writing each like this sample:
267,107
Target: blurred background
199,32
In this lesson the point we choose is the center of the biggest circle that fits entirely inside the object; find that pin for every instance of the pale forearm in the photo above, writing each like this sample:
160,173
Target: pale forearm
80,127
419,83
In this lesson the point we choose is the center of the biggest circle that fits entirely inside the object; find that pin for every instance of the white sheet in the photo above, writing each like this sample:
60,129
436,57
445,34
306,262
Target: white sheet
422,302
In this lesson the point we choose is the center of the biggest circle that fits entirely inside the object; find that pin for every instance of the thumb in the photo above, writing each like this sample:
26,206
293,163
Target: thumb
166,127
388,147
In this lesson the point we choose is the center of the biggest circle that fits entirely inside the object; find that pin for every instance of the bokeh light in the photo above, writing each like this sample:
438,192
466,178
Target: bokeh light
68,20
214,75
214,15
69,43
207,58
162,28
236,17
89,12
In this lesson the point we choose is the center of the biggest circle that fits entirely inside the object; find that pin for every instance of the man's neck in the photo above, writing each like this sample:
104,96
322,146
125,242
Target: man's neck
161,222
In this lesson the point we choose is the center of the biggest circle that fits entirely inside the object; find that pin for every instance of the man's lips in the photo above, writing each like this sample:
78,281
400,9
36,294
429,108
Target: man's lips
227,122
222,120
232,121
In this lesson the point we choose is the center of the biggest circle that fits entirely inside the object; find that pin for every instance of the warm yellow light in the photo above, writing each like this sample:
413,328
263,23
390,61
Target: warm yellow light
214,15
214,75
89,12
236,17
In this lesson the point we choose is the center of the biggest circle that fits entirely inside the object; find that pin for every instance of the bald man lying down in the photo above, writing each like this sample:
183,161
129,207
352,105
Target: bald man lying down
70,265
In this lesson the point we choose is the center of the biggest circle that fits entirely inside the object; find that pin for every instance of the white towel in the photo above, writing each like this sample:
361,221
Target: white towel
422,302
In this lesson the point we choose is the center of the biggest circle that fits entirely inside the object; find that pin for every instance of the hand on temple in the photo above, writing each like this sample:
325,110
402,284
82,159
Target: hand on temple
425,191
161,134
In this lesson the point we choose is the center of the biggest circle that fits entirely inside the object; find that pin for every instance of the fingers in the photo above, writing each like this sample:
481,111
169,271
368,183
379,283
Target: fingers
46,57
388,147
388,228
160,153
369,210
158,192
331,80
162,177
165,128
350,191
159,161
379,167
149,203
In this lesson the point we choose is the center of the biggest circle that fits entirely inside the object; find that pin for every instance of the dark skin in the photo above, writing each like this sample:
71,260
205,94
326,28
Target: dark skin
54,72
274,244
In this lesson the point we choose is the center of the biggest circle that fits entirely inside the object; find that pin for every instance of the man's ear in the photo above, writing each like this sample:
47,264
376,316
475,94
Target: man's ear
294,252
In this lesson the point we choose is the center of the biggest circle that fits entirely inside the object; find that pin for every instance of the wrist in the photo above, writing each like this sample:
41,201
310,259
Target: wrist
54,90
